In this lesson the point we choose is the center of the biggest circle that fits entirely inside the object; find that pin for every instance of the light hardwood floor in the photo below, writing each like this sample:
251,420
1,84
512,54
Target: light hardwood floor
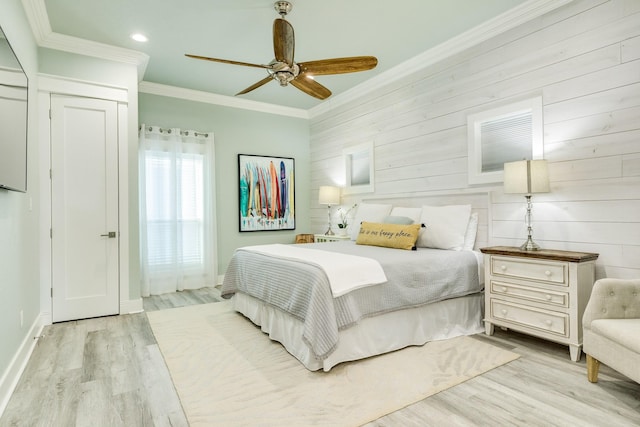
181,299
109,372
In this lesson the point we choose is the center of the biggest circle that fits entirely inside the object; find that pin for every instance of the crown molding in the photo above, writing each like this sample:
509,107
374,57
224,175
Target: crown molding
496,26
223,100
98,50
38,18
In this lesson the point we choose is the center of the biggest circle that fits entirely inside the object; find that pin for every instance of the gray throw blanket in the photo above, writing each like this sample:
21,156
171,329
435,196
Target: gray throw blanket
302,290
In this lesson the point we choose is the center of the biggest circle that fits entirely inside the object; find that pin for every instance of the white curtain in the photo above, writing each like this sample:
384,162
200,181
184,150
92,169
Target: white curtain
177,210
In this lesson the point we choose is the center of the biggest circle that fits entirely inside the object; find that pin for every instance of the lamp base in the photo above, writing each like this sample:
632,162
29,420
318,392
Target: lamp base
529,245
329,231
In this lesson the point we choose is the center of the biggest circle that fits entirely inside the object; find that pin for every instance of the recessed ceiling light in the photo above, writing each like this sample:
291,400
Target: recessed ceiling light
139,37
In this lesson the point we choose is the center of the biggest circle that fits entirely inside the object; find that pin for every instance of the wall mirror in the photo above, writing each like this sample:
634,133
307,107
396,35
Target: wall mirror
358,168
13,120
503,134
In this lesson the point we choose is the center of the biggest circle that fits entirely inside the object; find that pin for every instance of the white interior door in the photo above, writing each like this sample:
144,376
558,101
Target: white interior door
84,211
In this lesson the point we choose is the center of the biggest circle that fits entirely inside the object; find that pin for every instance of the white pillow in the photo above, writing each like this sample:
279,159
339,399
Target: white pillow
370,212
446,226
398,220
413,213
472,231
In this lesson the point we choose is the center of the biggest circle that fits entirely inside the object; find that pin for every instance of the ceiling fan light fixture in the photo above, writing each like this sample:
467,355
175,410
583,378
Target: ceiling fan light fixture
285,70
284,77
282,73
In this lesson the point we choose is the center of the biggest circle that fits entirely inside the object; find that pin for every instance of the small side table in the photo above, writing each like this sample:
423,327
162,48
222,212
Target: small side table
322,238
541,293
305,238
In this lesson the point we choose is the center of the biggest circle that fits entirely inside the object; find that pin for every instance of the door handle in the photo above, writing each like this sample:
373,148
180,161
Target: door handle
111,235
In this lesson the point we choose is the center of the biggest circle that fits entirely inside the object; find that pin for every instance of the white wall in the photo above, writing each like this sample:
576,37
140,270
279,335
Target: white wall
19,217
584,60
238,131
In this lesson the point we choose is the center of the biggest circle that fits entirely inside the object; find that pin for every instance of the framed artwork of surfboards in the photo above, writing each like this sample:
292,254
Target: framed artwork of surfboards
266,191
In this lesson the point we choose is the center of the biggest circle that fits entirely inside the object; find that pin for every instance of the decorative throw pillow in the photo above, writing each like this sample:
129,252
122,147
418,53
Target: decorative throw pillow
398,236
446,226
370,212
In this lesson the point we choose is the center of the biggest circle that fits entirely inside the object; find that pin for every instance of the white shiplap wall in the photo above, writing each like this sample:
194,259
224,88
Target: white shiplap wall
584,60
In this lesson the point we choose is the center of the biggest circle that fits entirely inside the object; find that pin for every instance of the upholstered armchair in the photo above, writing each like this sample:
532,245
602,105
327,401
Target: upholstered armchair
611,328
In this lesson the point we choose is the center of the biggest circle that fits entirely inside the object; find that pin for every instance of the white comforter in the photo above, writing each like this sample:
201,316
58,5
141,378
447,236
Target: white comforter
344,272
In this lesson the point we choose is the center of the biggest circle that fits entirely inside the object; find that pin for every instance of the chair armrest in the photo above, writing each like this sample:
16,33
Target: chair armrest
613,299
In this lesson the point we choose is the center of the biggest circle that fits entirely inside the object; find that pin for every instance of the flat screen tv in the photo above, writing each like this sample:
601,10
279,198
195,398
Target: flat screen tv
13,120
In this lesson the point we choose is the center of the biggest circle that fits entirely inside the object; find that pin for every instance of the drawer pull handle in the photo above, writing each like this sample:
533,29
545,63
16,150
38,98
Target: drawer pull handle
503,267
549,323
503,289
548,297
504,312
547,273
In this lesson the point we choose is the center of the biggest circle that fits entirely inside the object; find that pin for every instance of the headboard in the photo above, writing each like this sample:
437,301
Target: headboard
479,202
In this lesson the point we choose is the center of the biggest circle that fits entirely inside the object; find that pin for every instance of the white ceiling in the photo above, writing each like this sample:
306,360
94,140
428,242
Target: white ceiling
240,30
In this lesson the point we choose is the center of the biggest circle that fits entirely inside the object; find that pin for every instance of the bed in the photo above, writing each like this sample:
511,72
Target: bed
426,294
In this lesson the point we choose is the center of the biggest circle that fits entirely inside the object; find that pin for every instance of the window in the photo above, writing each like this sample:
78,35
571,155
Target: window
174,227
359,169
504,134
177,228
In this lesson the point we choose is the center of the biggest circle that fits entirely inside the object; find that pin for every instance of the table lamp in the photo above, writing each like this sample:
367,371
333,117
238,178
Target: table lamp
329,195
527,177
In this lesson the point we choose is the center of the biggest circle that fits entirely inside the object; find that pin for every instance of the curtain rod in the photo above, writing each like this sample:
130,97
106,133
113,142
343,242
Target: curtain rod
182,132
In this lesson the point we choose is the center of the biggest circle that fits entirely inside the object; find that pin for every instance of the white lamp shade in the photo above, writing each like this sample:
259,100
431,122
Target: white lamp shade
526,177
329,195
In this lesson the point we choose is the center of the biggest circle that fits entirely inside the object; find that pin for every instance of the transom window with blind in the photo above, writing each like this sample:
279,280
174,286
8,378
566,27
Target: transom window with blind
503,134
176,205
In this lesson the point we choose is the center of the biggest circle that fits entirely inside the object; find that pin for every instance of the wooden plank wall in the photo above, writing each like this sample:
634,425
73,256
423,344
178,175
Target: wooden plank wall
584,59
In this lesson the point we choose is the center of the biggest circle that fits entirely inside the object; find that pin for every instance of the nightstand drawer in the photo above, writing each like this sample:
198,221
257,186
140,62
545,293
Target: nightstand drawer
560,299
542,320
323,238
544,271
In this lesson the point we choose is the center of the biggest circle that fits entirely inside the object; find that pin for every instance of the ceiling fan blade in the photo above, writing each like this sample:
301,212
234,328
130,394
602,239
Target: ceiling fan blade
310,87
350,64
283,41
227,61
256,85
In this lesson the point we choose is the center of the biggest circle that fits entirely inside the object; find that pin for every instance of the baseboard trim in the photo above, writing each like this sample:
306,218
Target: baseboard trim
131,306
11,375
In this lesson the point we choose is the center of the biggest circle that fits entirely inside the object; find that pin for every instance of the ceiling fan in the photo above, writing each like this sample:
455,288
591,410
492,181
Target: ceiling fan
284,70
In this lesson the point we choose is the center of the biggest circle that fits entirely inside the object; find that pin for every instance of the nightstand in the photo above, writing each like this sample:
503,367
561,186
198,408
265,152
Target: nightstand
541,293
321,238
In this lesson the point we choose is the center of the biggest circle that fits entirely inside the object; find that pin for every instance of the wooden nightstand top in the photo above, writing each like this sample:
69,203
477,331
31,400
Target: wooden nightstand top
550,254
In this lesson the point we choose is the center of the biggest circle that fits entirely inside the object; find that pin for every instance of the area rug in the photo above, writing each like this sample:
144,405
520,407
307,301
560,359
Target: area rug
228,373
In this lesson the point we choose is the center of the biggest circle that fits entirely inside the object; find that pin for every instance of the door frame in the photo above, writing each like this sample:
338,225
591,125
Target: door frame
48,85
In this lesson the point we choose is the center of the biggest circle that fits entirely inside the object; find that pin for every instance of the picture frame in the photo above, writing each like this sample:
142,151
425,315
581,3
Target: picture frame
359,169
266,193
